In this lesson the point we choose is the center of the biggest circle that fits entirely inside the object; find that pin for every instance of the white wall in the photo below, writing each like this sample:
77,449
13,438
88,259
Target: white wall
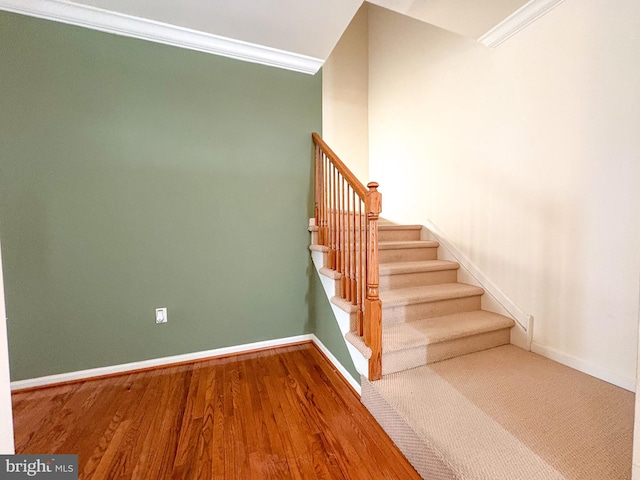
6,416
345,97
528,158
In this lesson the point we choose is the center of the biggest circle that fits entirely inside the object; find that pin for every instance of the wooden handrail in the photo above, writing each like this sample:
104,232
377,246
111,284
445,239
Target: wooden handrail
346,215
357,186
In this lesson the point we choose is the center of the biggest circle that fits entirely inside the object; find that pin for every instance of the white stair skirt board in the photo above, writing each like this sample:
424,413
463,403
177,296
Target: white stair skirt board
342,317
494,300
187,357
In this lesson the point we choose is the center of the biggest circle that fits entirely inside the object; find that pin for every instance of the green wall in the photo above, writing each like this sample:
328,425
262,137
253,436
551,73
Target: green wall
135,175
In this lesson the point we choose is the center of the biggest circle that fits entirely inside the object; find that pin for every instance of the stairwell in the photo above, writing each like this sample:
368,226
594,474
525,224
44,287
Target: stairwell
462,402
440,360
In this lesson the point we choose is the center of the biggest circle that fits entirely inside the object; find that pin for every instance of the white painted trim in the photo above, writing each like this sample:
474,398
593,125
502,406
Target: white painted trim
342,318
524,320
583,366
336,363
136,27
7,446
187,357
517,21
157,362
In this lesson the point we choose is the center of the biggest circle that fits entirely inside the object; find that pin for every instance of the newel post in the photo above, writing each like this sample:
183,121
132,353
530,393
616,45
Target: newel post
373,305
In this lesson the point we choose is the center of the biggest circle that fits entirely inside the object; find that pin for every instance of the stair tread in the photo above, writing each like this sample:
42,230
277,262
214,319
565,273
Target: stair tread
399,244
419,266
428,293
391,226
441,329
344,304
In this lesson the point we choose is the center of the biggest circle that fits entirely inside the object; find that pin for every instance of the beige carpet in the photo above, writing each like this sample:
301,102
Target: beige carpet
505,413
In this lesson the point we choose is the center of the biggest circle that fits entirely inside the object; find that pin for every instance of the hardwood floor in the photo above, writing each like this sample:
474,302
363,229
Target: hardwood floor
275,414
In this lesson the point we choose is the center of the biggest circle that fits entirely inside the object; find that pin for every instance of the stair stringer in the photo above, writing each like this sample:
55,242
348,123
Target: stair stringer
494,300
342,318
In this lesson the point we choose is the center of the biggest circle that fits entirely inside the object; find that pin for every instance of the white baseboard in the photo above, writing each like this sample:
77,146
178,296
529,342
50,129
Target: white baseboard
336,363
585,367
187,357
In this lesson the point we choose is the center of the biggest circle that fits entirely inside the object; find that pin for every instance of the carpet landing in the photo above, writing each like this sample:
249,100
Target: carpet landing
505,413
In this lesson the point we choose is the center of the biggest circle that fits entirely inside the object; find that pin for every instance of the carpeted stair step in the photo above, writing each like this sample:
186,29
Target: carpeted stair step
395,233
413,274
413,344
505,414
417,303
407,251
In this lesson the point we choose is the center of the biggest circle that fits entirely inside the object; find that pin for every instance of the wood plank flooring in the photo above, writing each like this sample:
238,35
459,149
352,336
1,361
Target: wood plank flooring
276,414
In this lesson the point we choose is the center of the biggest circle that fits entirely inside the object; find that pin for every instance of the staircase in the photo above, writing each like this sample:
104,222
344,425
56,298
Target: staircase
427,315
459,400
441,374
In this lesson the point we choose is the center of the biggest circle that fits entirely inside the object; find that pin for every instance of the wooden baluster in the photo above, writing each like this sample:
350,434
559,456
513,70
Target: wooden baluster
373,305
345,224
332,223
347,245
327,196
336,212
320,159
354,243
316,162
360,274
339,222
329,217
322,196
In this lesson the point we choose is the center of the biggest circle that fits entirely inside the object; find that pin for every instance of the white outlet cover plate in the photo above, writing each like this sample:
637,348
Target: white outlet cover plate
161,315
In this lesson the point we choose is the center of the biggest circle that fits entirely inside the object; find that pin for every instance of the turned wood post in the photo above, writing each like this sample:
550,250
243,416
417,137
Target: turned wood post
373,305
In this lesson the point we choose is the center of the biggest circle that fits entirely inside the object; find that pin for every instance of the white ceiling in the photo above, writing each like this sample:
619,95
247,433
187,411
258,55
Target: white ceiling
469,18
306,27
294,34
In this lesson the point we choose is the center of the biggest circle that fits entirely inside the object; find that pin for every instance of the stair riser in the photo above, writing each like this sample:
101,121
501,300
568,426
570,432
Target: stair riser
423,459
407,254
417,311
404,280
398,235
422,355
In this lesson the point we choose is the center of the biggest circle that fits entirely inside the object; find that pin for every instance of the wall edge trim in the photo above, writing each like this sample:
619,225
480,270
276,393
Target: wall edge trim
517,21
524,319
156,362
50,380
584,366
336,363
130,26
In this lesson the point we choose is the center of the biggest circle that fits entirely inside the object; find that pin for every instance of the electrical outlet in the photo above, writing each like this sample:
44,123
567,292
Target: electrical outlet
161,315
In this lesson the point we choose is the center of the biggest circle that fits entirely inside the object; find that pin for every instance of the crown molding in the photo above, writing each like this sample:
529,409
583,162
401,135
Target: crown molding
517,21
150,30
